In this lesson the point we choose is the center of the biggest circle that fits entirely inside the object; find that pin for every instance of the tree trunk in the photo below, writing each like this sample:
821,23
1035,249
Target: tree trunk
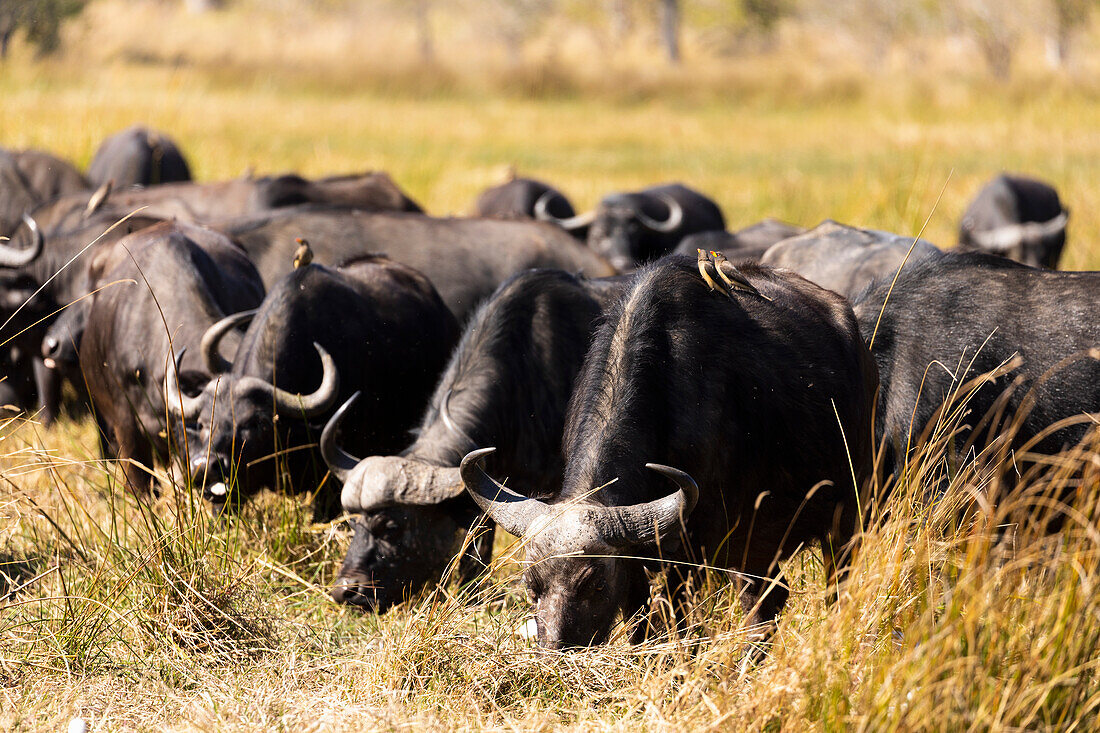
619,16
998,56
201,6
670,29
424,39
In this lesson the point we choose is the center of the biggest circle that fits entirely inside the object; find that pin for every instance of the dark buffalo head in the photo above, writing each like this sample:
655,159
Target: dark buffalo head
524,198
1018,218
629,229
30,178
575,573
238,425
404,529
61,342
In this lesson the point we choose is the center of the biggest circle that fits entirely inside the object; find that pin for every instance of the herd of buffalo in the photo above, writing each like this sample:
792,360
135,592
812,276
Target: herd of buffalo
633,382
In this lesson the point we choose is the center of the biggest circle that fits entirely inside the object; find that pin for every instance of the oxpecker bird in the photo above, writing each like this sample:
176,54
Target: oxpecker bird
710,274
733,277
303,255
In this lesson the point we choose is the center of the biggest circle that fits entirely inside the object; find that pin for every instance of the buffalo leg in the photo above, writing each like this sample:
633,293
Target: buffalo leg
326,504
135,453
636,604
762,599
835,560
478,553
48,384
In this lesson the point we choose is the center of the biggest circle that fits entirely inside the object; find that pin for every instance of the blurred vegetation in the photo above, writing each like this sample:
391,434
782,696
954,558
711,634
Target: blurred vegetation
40,20
1001,34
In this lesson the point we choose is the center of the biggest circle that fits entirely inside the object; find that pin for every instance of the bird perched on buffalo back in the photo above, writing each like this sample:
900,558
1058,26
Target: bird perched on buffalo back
709,274
733,277
303,255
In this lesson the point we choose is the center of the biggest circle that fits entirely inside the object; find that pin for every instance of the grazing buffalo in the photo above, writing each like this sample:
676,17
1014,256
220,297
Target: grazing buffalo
171,282
197,203
523,198
205,203
30,178
845,259
466,259
762,404
508,384
951,319
1016,217
749,243
138,156
45,268
371,326
633,228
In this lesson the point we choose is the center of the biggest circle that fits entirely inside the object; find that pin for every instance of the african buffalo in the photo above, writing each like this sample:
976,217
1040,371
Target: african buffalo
523,198
1016,217
749,243
466,259
138,156
764,406
380,329
508,384
845,259
170,283
630,229
45,268
197,203
951,319
30,178
206,203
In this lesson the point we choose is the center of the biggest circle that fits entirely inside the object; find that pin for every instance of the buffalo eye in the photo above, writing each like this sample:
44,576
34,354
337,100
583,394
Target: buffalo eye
388,529
590,579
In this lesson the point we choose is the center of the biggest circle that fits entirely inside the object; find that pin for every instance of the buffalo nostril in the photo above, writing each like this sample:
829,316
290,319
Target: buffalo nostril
343,590
356,590
52,345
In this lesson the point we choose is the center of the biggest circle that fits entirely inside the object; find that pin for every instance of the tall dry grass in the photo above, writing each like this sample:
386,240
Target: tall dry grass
966,611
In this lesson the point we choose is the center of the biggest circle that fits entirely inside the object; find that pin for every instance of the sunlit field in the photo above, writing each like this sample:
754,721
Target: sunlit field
963,614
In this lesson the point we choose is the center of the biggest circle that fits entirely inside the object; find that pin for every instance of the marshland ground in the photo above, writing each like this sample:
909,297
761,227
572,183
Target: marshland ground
139,617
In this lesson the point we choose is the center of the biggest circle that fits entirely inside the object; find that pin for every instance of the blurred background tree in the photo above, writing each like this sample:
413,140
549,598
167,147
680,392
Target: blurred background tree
1069,18
40,20
882,34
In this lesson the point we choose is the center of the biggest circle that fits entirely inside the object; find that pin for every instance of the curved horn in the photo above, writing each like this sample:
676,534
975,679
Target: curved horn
1005,238
309,405
383,481
644,524
339,461
505,507
569,224
675,216
215,363
179,404
12,257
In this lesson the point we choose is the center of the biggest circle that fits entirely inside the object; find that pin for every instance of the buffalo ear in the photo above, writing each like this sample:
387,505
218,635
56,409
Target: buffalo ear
98,199
191,382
